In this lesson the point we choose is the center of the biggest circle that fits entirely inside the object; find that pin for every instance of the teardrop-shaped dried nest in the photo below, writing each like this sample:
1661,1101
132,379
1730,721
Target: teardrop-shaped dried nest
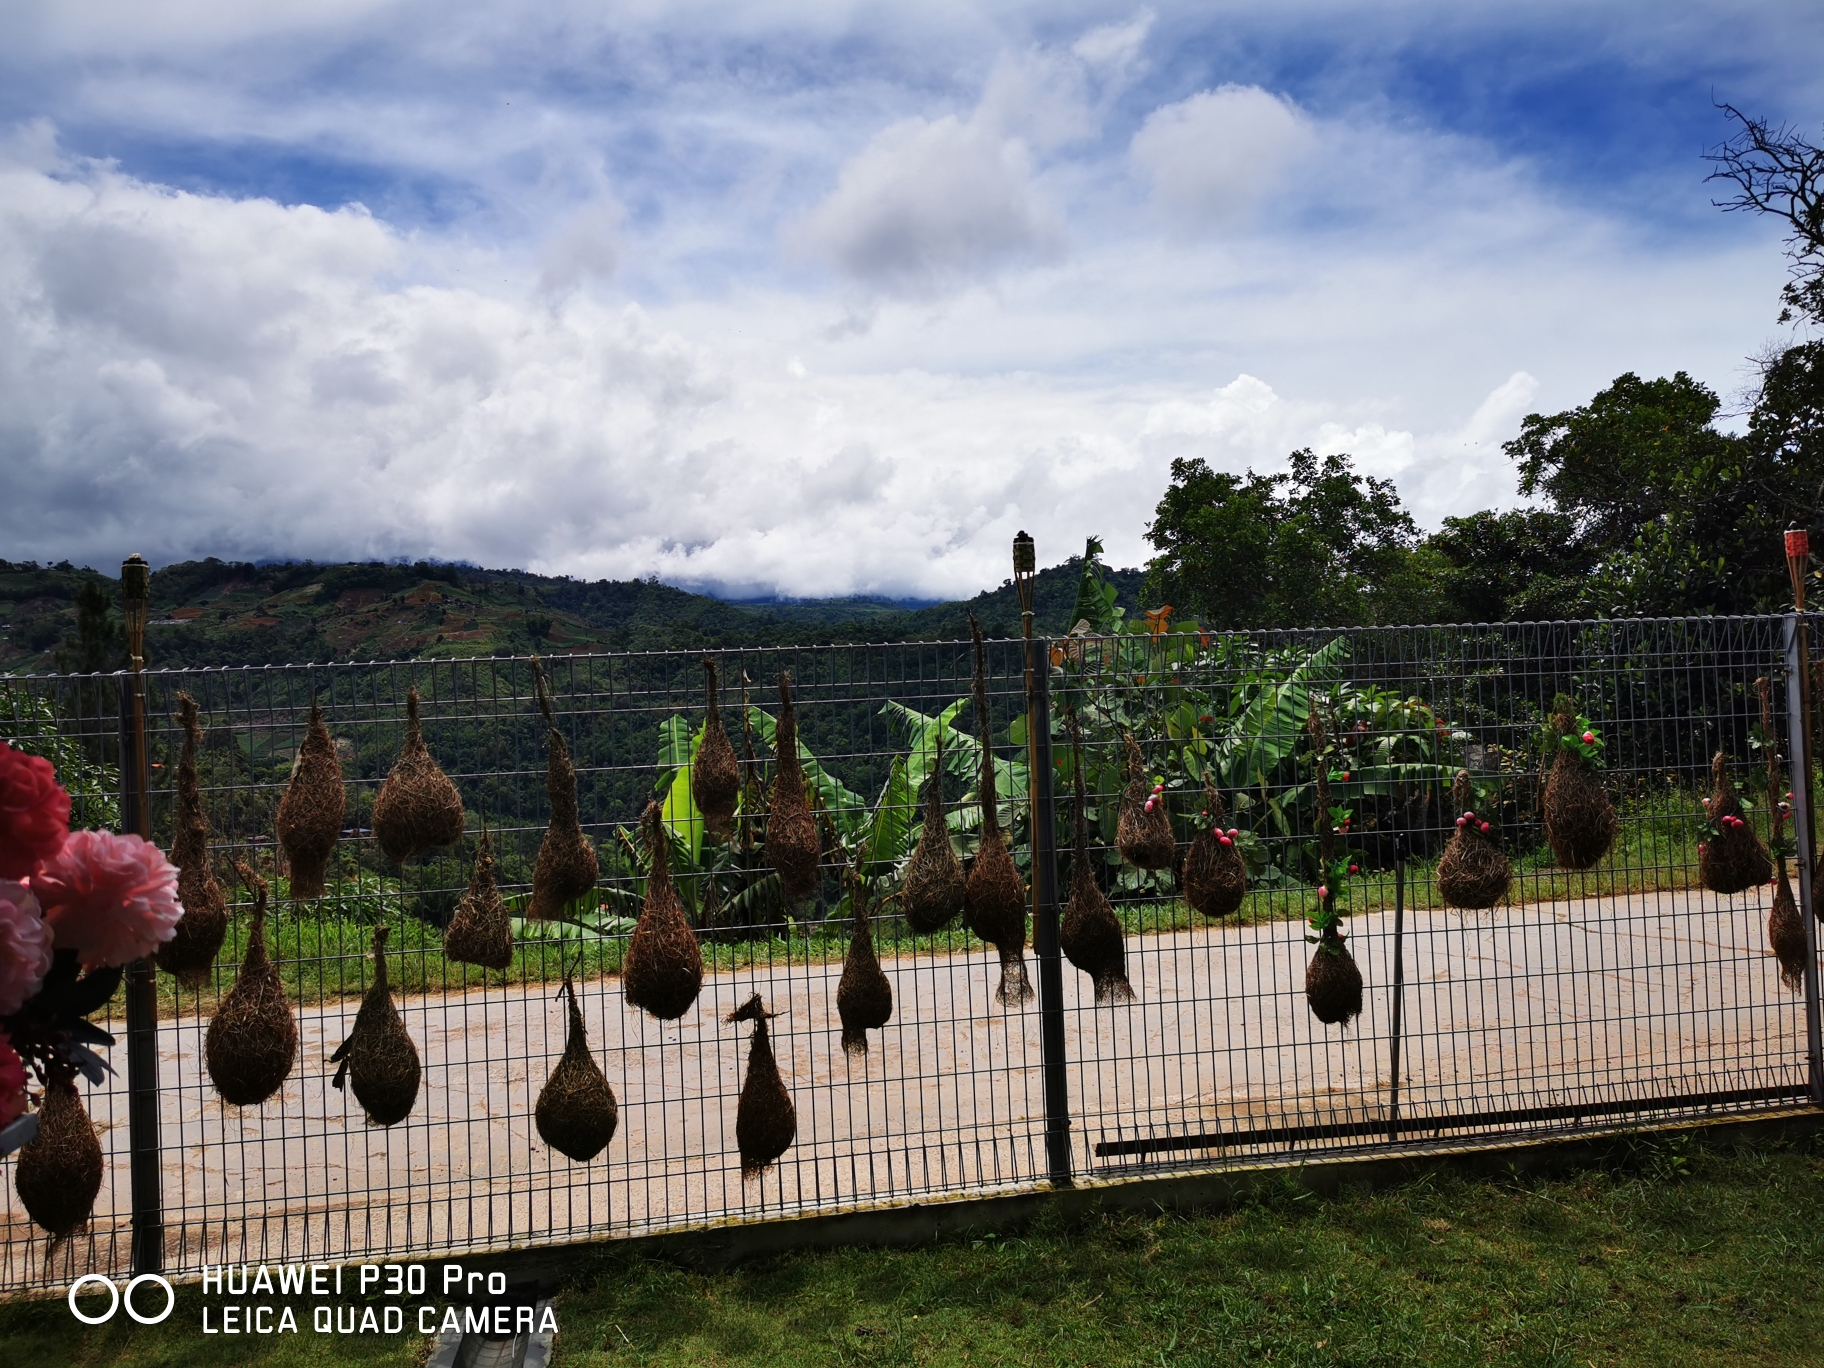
766,1123
252,1040
190,953
663,971
58,1171
1090,933
418,808
864,998
379,1058
1143,833
931,889
1215,875
1579,818
994,896
1333,983
566,868
310,813
715,775
793,846
1732,859
1473,873
576,1112
1786,934
481,932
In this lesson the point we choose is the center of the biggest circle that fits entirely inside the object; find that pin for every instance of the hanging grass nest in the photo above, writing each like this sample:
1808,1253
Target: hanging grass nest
766,1123
378,1057
190,953
1786,933
1143,832
252,1040
418,808
310,813
931,891
58,1171
576,1112
1333,982
663,971
566,868
1579,818
1215,875
864,998
481,932
994,896
1473,873
1732,859
793,847
715,776
1090,933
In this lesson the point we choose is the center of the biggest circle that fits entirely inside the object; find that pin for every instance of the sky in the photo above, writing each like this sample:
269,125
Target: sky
827,298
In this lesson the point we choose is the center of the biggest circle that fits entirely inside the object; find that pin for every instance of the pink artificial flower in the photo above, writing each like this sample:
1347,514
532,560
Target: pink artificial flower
25,946
1485,828
113,899
1323,890
34,813
12,1082
1225,840
1589,738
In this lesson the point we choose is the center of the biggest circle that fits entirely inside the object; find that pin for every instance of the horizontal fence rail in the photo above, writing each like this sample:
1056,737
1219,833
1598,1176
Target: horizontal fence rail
1585,1000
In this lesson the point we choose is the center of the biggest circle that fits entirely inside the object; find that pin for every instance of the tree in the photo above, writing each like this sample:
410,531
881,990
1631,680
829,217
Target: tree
1775,171
1673,515
99,640
1320,545
1527,564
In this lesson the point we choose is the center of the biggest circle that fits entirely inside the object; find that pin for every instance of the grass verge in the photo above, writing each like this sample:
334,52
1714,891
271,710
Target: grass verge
1673,1255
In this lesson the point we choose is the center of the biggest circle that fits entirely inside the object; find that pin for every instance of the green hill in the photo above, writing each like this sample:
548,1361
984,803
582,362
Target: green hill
215,612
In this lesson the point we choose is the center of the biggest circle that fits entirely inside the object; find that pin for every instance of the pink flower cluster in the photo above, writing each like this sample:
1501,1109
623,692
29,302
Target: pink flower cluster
1468,819
109,898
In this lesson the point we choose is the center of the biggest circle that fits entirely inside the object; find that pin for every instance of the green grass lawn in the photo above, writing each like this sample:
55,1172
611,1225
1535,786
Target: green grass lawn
1671,1255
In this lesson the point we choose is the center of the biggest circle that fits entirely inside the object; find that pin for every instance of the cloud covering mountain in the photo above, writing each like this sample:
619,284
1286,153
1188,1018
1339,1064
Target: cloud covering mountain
823,300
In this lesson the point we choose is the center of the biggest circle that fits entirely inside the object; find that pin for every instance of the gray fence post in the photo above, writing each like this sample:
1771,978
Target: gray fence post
1045,914
1798,746
144,1173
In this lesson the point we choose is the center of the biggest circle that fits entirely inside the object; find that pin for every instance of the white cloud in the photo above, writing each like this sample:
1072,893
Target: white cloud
1214,157
932,203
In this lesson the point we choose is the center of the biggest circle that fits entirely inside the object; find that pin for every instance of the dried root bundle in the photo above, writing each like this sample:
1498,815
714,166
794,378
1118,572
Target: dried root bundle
793,846
766,1123
252,1040
1143,832
1786,933
190,954
566,868
1090,933
481,932
310,814
663,971
994,896
418,808
378,1058
1732,860
1333,982
931,892
1473,873
1215,875
58,1171
715,776
864,998
576,1112
1579,818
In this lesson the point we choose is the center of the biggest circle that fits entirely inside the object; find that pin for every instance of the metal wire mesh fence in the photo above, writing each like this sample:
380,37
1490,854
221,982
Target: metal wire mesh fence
1582,1000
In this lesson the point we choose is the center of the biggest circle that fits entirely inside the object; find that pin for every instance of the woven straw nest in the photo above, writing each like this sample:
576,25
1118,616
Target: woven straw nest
481,932
715,775
994,896
190,953
931,890
576,1112
379,1060
1215,875
1473,873
793,847
252,1040
1143,832
566,868
1089,932
766,1122
310,814
663,970
418,808
1579,818
864,998
58,1171
1732,859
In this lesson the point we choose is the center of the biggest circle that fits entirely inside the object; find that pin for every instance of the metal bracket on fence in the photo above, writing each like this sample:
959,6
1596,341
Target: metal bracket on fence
1798,731
1045,914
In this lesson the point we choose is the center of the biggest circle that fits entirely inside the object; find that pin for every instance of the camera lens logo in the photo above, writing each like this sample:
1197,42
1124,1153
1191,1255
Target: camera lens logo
118,1298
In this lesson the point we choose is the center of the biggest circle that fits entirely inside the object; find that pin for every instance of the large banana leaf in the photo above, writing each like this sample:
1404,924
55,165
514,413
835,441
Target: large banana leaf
1268,729
677,755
